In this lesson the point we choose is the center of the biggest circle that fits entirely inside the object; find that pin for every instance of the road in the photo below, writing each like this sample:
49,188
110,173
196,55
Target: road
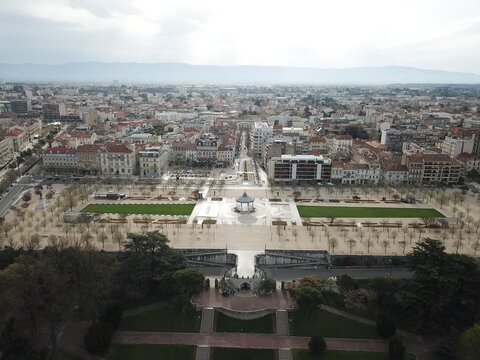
294,274
11,197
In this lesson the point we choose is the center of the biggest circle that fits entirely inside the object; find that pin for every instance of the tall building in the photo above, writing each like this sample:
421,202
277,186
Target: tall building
21,106
299,168
53,111
260,133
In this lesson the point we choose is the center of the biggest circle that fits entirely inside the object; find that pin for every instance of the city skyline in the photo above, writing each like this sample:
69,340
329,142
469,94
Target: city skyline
343,34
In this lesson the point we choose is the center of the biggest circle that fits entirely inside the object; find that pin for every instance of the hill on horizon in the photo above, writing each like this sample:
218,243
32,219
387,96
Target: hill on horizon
179,73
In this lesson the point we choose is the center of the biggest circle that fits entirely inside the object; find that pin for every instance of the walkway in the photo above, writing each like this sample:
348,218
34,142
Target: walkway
279,300
257,341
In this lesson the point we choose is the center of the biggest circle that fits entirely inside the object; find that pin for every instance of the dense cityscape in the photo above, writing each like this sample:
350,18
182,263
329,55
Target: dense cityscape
255,180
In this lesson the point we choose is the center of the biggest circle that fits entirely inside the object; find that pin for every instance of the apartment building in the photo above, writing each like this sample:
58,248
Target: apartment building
88,160
6,150
207,147
19,139
53,111
432,169
226,155
395,174
299,168
359,174
394,139
338,143
117,160
153,162
261,132
59,160
454,146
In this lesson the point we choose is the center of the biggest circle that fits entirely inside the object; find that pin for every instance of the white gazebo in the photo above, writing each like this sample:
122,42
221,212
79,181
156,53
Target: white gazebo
244,199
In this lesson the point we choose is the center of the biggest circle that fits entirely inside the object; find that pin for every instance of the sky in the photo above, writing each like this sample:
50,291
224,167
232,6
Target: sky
429,34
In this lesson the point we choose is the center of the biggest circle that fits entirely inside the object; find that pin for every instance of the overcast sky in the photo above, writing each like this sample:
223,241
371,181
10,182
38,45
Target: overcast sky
431,34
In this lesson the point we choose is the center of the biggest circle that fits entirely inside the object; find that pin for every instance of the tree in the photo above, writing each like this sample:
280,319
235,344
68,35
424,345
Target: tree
188,281
331,218
441,282
332,243
396,349
385,326
268,285
427,220
310,281
469,346
26,197
148,265
308,297
346,282
317,345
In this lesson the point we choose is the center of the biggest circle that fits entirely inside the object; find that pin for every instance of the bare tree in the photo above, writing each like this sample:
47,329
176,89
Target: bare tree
351,244
332,243
403,244
385,244
369,243
475,247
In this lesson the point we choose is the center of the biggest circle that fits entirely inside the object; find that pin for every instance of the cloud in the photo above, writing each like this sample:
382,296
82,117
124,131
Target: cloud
312,33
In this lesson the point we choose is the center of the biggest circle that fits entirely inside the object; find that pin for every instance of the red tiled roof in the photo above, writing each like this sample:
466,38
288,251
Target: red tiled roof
59,150
14,132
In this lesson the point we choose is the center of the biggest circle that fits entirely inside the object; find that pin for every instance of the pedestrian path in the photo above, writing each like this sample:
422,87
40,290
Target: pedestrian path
281,317
206,325
203,353
255,341
285,354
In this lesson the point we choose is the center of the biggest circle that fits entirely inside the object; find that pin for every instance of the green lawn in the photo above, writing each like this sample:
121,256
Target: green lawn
263,325
243,354
365,212
164,319
145,209
151,352
323,323
304,354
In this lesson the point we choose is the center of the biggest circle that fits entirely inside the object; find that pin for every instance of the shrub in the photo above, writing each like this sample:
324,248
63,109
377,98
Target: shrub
112,315
347,283
385,326
396,349
317,345
98,337
308,297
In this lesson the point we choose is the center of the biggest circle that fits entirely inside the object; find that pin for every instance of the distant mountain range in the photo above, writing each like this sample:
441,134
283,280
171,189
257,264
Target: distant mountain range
178,73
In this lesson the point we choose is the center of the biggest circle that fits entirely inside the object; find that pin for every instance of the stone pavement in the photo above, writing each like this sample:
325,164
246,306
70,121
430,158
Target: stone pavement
203,353
280,300
208,316
256,341
281,317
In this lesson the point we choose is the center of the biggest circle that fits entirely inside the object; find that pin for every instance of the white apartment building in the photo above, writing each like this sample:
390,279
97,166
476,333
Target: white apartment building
153,162
59,160
260,133
117,160
339,142
6,150
226,154
361,174
142,138
453,146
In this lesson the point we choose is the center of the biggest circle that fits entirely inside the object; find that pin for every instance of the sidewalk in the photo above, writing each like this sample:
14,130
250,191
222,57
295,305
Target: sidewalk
257,341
